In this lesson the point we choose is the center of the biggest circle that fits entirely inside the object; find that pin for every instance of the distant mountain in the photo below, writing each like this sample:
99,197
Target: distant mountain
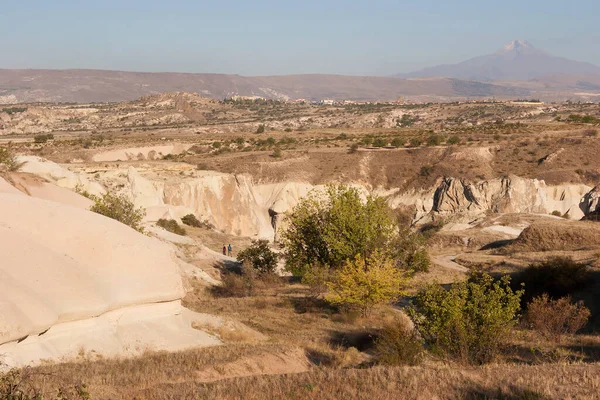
87,86
517,61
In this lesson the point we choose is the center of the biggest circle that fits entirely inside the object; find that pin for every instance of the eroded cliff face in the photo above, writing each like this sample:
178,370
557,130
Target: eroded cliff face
508,195
237,205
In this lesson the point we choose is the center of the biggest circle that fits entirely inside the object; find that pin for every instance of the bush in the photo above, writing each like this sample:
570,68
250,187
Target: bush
42,138
330,227
590,132
558,277
435,140
415,142
425,170
398,345
260,129
191,220
276,153
235,285
379,142
172,226
398,142
260,257
452,140
406,121
469,321
353,148
120,208
8,159
364,283
554,318
556,213
412,252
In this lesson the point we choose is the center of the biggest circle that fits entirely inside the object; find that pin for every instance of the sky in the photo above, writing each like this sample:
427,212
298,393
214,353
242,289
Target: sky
269,37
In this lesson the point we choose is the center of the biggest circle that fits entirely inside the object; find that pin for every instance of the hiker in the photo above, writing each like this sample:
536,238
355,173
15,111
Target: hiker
224,250
229,250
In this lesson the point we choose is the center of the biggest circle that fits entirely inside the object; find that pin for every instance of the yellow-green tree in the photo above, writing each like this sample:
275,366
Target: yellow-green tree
363,283
327,228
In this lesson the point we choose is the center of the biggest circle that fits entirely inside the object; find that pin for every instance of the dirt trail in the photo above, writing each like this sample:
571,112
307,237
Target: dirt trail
447,261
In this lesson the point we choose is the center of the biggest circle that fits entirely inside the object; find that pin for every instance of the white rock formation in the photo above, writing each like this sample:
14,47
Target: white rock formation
72,281
58,175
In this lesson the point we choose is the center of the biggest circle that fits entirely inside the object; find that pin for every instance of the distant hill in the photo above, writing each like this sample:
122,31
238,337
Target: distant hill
86,86
517,61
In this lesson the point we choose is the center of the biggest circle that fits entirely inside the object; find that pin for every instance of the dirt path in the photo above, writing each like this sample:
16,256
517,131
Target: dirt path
447,261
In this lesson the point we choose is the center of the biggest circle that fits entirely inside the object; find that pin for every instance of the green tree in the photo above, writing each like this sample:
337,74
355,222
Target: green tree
327,228
259,256
363,283
120,208
469,321
411,252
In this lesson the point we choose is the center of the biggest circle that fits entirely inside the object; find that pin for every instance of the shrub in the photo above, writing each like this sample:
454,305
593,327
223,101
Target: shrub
553,318
556,213
235,285
120,208
332,226
288,129
363,283
406,121
435,140
353,148
426,170
276,153
379,142
557,277
216,145
590,132
260,129
415,142
469,321
43,138
398,142
316,277
452,140
398,345
172,226
8,159
191,220
260,257
412,252
367,141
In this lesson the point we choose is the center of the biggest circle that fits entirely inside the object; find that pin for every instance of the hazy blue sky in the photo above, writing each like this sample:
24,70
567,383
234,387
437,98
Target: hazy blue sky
262,37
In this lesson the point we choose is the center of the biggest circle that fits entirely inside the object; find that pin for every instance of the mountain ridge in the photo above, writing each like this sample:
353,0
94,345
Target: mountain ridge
518,60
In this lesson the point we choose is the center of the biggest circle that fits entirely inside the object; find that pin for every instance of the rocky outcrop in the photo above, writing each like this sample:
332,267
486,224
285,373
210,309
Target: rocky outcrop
507,195
74,281
236,204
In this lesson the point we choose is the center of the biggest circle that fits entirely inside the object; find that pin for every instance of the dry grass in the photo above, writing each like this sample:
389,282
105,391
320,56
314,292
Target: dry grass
173,377
558,235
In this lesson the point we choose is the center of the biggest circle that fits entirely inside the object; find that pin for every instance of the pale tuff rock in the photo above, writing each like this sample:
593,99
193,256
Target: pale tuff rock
58,175
73,279
235,204
507,195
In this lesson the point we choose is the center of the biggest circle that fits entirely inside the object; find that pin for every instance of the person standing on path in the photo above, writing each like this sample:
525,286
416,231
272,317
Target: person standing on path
229,252
224,250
